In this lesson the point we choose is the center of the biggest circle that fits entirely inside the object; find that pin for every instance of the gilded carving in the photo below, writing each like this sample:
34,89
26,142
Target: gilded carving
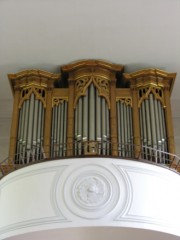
101,83
40,94
81,86
58,100
125,100
145,91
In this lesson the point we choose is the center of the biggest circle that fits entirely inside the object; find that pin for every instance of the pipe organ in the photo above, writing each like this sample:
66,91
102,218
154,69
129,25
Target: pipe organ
91,108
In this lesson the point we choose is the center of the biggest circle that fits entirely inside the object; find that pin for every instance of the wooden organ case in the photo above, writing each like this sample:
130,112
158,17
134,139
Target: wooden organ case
91,108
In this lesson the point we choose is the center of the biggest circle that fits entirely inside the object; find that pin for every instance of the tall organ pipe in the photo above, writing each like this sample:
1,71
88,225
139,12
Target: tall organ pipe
107,128
125,128
19,143
119,128
75,128
92,122
98,117
79,129
92,114
85,117
52,133
159,141
26,123
122,129
128,131
30,127
148,123
104,134
60,130
65,128
152,117
98,122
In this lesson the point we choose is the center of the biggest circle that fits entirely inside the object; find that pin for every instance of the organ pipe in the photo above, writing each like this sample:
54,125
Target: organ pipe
65,128
30,130
98,117
152,118
94,127
85,117
92,114
59,130
124,129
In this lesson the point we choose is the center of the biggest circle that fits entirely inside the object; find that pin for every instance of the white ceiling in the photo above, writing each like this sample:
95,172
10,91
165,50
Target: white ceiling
46,34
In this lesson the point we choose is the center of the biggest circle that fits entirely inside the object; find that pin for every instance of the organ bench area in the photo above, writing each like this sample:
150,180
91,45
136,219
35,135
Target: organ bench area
91,108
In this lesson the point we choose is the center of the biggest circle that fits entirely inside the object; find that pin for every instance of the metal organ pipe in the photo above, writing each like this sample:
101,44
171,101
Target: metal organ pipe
98,117
128,131
92,113
119,128
92,122
79,128
59,130
104,134
30,128
152,117
98,121
157,120
65,128
122,129
34,141
124,116
107,128
85,117
75,129
148,123
19,142
52,132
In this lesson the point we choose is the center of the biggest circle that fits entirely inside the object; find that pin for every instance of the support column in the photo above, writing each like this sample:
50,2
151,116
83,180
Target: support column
14,126
169,123
70,129
113,119
47,124
136,125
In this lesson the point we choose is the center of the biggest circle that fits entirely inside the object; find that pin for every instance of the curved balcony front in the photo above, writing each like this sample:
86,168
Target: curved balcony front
90,198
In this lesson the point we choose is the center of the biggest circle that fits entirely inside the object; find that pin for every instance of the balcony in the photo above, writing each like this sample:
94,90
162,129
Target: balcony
136,198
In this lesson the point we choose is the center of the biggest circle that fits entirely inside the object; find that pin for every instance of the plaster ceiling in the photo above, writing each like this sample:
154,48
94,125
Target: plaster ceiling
46,34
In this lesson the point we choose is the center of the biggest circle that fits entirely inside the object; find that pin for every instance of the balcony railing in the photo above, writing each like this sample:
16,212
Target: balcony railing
89,149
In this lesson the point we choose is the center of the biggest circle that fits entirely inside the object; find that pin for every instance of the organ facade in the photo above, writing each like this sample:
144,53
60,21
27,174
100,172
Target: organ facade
91,108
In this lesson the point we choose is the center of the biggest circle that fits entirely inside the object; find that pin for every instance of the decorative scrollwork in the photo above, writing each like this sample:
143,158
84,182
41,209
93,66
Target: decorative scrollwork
81,86
125,100
58,100
40,94
102,85
145,91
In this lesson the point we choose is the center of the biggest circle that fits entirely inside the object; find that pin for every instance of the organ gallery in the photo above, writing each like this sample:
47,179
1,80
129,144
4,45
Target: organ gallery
91,108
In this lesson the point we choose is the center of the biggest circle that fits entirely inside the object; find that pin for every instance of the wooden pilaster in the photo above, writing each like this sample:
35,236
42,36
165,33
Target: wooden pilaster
113,119
136,125
14,125
47,124
70,129
169,123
